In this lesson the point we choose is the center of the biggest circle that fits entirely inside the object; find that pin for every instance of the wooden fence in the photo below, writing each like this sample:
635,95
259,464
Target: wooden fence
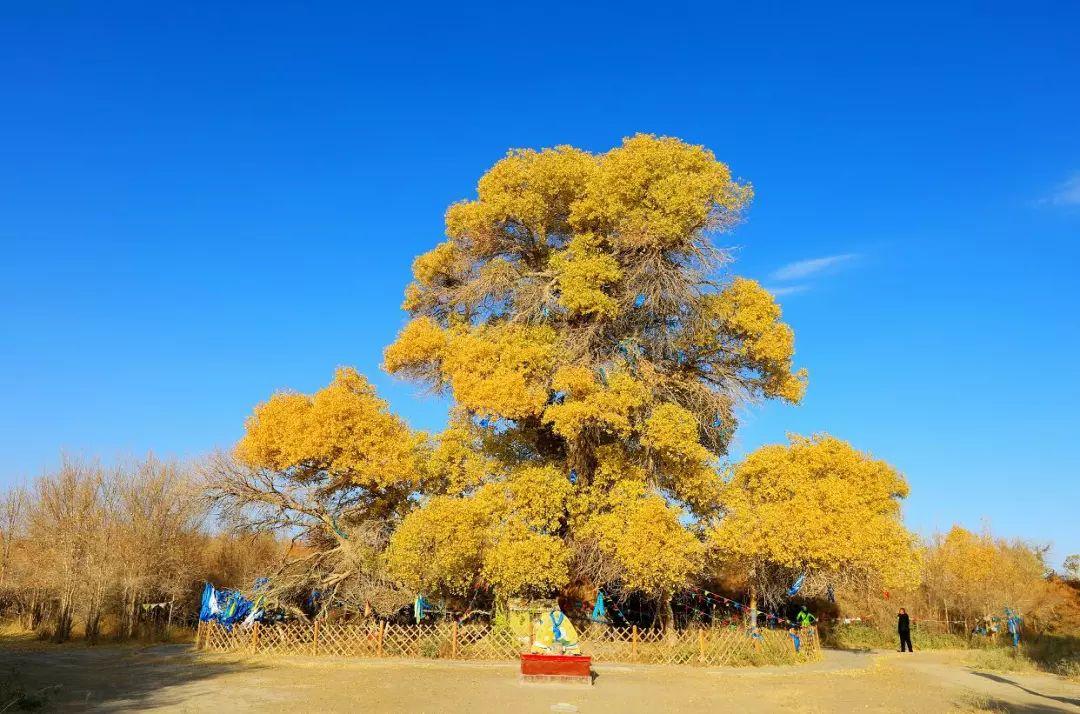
712,647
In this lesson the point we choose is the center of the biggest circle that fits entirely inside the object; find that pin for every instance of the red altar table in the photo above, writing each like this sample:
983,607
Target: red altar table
549,667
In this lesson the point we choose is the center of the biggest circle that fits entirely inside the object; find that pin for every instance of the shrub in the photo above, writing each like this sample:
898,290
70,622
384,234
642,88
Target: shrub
1059,654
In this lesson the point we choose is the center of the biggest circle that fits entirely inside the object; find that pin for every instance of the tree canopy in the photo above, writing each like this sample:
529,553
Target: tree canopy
596,351
974,573
337,471
816,506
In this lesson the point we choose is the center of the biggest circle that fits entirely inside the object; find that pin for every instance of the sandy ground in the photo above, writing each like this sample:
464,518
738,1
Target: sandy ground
173,678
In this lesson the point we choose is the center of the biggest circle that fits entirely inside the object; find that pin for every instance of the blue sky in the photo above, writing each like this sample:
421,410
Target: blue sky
203,203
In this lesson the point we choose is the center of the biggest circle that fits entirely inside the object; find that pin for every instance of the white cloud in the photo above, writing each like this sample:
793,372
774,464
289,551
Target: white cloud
788,290
1066,194
805,268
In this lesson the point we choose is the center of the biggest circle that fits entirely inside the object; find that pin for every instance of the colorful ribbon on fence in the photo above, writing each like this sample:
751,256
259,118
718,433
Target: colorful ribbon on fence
738,605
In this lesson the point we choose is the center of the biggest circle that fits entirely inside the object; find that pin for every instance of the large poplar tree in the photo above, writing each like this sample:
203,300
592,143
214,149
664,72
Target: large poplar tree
596,349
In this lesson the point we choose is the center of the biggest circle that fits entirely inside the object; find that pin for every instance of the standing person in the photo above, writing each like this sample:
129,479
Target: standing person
806,621
903,628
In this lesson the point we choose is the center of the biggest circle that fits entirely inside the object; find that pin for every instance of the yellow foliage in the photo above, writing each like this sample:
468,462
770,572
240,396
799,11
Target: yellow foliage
444,266
439,547
501,370
537,496
966,559
618,480
507,534
685,466
344,430
977,574
818,505
614,467
658,193
498,370
673,432
530,189
748,312
521,562
443,262
457,464
414,298
420,345
582,272
577,381
647,538
588,403
524,555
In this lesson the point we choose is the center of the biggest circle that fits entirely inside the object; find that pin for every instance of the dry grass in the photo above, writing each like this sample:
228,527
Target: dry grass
1057,654
980,704
859,636
1002,659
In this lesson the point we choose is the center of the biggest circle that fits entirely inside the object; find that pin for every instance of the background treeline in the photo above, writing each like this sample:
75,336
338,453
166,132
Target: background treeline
123,552
964,577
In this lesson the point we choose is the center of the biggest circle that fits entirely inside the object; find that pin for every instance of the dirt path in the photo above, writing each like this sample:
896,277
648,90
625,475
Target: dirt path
1018,691
172,678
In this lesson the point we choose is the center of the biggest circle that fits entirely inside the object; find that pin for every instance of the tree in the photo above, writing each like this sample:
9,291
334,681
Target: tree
335,471
67,531
12,513
596,356
155,522
97,543
14,566
815,506
974,574
1072,567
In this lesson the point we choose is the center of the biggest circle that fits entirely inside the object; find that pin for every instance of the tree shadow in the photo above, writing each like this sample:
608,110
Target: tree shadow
116,678
1005,680
998,706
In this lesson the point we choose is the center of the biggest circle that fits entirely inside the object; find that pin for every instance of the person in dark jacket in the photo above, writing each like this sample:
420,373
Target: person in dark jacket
903,628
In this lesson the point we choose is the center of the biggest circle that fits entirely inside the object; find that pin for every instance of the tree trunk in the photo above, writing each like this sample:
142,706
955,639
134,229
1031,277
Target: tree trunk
132,615
123,629
62,633
29,615
93,624
667,614
37,613
751,616
126,628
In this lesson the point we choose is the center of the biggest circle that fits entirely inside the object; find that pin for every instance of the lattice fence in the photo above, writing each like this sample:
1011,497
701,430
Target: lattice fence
711,647
715,647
